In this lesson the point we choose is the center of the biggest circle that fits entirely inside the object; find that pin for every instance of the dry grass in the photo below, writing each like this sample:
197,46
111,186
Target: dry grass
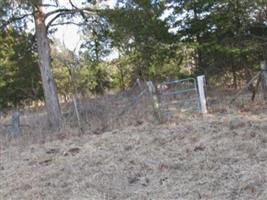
216,157
98,115
222,155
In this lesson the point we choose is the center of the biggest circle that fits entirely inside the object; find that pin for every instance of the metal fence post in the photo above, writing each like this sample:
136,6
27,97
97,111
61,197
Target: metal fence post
201,92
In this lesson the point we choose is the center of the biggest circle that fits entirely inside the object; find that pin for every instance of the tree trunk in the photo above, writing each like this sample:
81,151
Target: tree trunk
50,91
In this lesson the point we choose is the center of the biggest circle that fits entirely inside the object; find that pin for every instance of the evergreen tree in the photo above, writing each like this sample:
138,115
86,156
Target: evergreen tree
20,78
219,31
138,31
95,49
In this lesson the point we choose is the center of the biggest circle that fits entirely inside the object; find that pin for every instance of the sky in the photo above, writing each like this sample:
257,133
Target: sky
69,34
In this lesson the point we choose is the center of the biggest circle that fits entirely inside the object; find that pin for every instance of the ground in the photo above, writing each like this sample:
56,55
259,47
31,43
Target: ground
216,156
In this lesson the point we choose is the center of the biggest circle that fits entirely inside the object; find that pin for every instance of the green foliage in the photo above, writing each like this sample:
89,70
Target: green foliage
19,73
97,43
139,33
93,78
220,38
121,72
78,76
94,50
220,32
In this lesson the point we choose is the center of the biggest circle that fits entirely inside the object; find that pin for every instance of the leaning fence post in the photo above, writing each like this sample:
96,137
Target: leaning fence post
156,108
201,92
74,98
264,79
15,124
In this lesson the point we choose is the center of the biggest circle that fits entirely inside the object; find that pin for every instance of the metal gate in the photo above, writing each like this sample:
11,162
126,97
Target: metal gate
178,96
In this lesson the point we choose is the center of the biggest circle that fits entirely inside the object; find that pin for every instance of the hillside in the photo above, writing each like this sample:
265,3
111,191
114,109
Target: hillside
220,156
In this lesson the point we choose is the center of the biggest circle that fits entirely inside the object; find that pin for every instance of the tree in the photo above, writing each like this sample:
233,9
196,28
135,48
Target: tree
96,48
219,32
60,71
43,20
139,32
258,29
50,91
20,78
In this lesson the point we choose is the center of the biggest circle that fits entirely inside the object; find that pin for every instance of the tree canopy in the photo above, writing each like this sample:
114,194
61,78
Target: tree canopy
223,39
20,79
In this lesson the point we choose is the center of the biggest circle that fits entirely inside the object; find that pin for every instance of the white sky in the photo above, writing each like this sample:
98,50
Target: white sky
69,34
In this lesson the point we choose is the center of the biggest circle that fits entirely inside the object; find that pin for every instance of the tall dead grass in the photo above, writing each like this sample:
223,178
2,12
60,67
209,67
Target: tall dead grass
116,111
98,114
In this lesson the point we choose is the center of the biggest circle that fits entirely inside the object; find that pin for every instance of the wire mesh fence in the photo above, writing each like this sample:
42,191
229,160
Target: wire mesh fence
129,107
133,107
179,96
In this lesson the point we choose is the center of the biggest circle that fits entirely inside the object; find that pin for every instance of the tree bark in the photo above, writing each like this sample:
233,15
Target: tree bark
50,91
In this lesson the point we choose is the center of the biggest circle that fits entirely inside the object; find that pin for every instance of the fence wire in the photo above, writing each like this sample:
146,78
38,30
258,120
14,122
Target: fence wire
129,107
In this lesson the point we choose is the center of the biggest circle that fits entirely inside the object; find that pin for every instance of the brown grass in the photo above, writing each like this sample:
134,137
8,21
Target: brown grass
221,155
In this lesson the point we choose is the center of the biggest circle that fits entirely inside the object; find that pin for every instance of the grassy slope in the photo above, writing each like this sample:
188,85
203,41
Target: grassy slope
216,157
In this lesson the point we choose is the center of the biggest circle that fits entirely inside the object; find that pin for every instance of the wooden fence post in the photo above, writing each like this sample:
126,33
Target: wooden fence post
15,124
201,92
156,106
264,79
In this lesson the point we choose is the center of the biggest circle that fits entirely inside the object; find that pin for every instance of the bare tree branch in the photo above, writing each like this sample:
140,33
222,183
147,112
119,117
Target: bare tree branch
54,19
13,19
49,5
72,4
67,23
66,10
